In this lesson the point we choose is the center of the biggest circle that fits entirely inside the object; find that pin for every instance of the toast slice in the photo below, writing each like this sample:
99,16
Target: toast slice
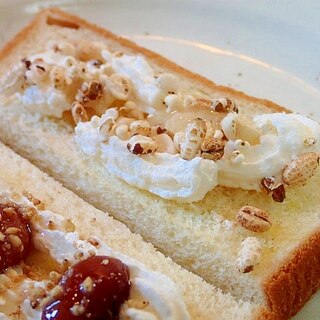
203,301
202,236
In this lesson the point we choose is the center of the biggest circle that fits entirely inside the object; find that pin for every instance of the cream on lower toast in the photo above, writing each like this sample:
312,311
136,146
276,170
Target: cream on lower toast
32,285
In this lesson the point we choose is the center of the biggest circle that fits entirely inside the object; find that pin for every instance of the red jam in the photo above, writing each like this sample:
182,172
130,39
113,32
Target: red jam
15,236
93,289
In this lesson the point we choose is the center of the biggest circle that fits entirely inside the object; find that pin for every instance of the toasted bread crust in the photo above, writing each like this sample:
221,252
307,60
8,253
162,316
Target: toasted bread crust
295,281
291,285
265,314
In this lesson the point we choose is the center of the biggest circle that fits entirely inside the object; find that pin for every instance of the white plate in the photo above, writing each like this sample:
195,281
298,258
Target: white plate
267,49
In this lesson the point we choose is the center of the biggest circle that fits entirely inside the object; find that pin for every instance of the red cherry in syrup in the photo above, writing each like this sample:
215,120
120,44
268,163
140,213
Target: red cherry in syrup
15,235
93,289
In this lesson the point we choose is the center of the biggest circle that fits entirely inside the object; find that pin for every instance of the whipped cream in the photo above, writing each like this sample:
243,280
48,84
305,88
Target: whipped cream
42,97
45,99
51,102
164,174
165,300
282,138
172,177
150,89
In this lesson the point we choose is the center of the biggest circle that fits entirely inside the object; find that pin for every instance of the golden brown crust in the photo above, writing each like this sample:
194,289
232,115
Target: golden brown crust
19,38
265,314
291,286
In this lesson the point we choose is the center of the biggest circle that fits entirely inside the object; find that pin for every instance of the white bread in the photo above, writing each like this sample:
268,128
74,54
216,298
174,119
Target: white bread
186,232
203,300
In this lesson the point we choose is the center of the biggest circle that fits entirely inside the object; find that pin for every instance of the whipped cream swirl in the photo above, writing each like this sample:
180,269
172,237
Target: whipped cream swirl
164,174
282,137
